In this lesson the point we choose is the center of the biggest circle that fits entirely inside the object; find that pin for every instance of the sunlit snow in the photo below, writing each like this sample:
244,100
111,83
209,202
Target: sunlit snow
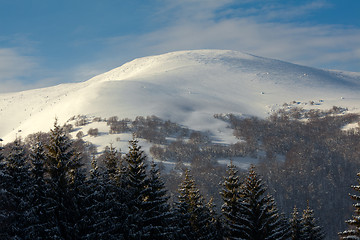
187,87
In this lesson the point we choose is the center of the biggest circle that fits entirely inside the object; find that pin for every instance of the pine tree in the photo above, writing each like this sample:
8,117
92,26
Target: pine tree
232,208
157,216
5,198
15,204
311,230
262,217
92,204
111,160
354,224
61,159
106,211
215,223
137,181
62,164
186,208
43,224
1,149
136,162
296,227
77,195
116,216
194,218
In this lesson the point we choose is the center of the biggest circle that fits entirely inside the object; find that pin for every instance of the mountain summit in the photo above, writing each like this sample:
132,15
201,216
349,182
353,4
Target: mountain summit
187,87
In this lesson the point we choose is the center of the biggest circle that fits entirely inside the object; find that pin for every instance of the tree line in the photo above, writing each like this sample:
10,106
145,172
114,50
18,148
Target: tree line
45,193
306,155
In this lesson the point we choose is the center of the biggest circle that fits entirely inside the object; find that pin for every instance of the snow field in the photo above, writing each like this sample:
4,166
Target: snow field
186,87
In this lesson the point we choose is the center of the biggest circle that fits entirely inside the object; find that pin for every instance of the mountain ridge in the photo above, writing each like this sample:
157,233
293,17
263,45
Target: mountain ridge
187,87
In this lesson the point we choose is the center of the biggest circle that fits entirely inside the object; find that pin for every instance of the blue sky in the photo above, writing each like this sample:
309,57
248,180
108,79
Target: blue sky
47,42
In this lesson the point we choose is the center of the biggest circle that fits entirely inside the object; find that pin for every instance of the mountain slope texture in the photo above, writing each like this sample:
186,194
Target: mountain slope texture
187,87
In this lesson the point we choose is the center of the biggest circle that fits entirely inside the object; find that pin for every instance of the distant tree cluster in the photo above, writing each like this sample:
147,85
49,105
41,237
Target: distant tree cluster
81,121
318,158
94,132
303,155
150,128
45,194
118,126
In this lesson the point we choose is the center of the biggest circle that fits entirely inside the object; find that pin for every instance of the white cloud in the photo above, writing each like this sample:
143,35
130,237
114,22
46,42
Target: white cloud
13,67
195,25
190,9
20,72
12,64
270,10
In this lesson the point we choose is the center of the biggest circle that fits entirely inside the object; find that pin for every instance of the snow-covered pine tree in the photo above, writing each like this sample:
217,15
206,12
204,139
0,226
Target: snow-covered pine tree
311,230
1,149
232,208
37,158
262,217
354,223
116,217
5,198
62,162
92,204
121,177
77,194
111,160
194,218
15,204
106,211
43,223
136,162
157,217
296,226
138,188
215,223
185,207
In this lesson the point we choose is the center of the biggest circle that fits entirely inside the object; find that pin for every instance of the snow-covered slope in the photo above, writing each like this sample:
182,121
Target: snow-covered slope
187,87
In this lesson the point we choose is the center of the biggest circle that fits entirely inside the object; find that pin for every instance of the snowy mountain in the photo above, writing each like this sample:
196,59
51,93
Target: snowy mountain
186,87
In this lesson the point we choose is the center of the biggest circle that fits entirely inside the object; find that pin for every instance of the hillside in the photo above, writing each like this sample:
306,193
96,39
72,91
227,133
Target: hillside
201,109
186,87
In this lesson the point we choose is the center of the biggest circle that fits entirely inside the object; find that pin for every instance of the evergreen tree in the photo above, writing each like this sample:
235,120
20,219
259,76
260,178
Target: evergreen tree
62,164
232,208
77,195
2,161
92,204
106,211
15,204
194,218
215,223
43,225
38,158
157,216
1,149
354,224
121,177
262,217
111,161
296,227
136,162
5,198
138,189
311,230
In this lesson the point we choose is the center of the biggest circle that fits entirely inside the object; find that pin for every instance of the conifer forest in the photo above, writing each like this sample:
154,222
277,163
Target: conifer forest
49,189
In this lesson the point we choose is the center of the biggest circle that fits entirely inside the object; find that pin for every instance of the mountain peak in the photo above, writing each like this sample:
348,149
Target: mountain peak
170,61
187,87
